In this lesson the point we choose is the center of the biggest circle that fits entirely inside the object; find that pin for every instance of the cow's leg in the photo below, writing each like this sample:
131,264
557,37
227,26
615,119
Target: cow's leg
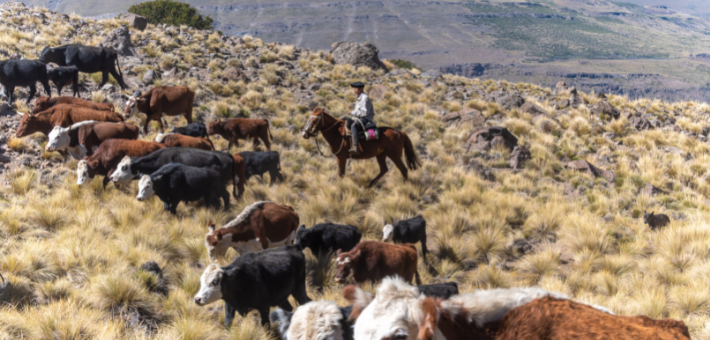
147,123
173,207
382,161
264,313
10,94
225,199
118,78
228,314
166,206
265,139
33,91
45,85
75,84
106,180
285,305
299,292
104,78
60,86
160,124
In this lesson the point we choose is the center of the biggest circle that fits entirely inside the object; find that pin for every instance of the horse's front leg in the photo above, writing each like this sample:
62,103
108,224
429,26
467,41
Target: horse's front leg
342,163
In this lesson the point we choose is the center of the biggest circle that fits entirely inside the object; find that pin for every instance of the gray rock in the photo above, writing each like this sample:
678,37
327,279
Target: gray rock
149,77
108,88
583,165
120,40
510,101
136,21
532,109
489,137
234,74
355,54
604,108
5,159
520,155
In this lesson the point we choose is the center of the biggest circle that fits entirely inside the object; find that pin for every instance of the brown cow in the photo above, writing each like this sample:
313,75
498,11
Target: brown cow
399,311
373,261
82,138
61,115
44,103
234,129
110,153
173,140
259,226
159,101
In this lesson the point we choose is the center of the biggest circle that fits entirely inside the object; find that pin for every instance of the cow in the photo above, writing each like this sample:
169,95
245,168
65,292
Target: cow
64,75
256,281
174,183
234,129
373,261
159,101
61,115
315,320
87,59
259,226
82,139
192,130
655,221
439,290
258,163
45,103
173,140
328,237
412,231
14,73
129,168
399,311
105,160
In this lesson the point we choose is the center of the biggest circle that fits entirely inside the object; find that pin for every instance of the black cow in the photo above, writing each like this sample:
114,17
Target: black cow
87,59
283,319
411,231
192,130
258,163
174,183
256,281
328,237
64,75
439,290
23,72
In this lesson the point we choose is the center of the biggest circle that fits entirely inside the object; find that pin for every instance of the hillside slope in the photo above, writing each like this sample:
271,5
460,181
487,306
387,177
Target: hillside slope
73,255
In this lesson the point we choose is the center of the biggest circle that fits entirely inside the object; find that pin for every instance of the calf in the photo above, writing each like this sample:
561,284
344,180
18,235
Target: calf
234,129
256,281
87,59
259,226
322,320
64,75
328,237
105,160
258,163
174,183
129,168
82,139
45,103
373,261
439,290
14,73
61,115
173,140
655,221
159,101
192,130
412,231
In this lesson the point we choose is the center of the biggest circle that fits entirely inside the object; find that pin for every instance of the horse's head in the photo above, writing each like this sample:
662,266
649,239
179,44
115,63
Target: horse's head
314,124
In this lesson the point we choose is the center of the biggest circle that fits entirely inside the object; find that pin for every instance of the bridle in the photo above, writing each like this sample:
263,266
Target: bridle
319,119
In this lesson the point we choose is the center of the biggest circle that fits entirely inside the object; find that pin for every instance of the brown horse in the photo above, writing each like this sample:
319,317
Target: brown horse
390,144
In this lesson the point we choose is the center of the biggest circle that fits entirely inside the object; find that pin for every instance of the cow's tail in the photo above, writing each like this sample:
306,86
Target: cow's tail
268,129
416,277
413,162
118,66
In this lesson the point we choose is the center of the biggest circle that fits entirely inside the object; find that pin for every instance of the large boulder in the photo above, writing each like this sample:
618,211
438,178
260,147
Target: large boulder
511,101
365,54
490,137
134,20
120,40
532,109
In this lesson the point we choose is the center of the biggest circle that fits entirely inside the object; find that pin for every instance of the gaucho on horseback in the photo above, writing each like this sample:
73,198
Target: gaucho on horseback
363,116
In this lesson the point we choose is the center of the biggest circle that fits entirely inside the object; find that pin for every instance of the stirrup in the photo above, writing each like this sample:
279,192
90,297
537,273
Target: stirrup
355,152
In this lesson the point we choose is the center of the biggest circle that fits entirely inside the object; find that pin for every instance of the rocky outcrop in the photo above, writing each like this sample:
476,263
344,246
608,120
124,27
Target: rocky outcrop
604,108
520,155
491,137
134,20
471,116
120,40
365,54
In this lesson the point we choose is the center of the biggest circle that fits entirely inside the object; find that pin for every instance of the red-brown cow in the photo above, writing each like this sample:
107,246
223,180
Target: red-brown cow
81,139
159,101
235,129
173,140
44,103
61,115
373,261
260,226
110,153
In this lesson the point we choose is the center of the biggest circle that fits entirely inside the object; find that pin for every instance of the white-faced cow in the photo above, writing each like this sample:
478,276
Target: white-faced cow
83,138
159,101
108,155
261,225
87,59
322,320
256,281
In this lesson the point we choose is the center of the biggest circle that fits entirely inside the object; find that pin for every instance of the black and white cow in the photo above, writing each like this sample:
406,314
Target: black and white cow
314,320
439,290
192,130
328,237
258,163
174,183
411,231
256,281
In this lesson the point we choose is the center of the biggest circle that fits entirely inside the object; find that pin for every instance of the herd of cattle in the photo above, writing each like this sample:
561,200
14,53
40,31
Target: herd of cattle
183,165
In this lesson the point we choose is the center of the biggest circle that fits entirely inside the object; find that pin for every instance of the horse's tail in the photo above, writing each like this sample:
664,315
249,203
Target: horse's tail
413,162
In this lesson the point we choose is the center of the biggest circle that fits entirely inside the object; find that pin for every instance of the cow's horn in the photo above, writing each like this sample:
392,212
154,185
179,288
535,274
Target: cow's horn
20,114
138,93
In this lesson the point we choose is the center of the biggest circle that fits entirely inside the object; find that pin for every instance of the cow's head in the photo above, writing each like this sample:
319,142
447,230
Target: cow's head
26,123
123,171
132,104
344,264
85,170
145,188
387,233
51,55
214,127
313,320
647,217
41,104
394,314
216,247
302,236
58,139
210,285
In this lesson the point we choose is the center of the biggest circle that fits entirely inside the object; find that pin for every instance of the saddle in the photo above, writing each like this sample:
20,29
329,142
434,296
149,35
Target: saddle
370,132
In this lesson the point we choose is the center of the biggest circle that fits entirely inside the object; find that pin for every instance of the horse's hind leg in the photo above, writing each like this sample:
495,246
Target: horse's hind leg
396,157
382,161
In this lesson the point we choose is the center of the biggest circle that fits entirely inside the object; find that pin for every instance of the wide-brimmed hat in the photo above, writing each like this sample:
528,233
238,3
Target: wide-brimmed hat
357,84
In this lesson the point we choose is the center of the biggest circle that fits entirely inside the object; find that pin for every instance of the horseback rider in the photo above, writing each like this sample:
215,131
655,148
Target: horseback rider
362,115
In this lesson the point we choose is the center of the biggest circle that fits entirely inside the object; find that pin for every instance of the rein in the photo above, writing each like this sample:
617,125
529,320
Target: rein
320,118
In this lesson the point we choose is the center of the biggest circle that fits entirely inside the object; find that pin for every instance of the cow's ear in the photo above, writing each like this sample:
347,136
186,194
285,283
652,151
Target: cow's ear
337,253
92,163
427,325
359,298
142,100
355,255
210,226
219,237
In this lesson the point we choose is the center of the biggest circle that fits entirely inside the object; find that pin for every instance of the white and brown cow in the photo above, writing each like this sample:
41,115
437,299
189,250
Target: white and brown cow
260,226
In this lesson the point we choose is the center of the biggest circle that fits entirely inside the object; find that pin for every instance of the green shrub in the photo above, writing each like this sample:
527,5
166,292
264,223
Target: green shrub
407,65
172,13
